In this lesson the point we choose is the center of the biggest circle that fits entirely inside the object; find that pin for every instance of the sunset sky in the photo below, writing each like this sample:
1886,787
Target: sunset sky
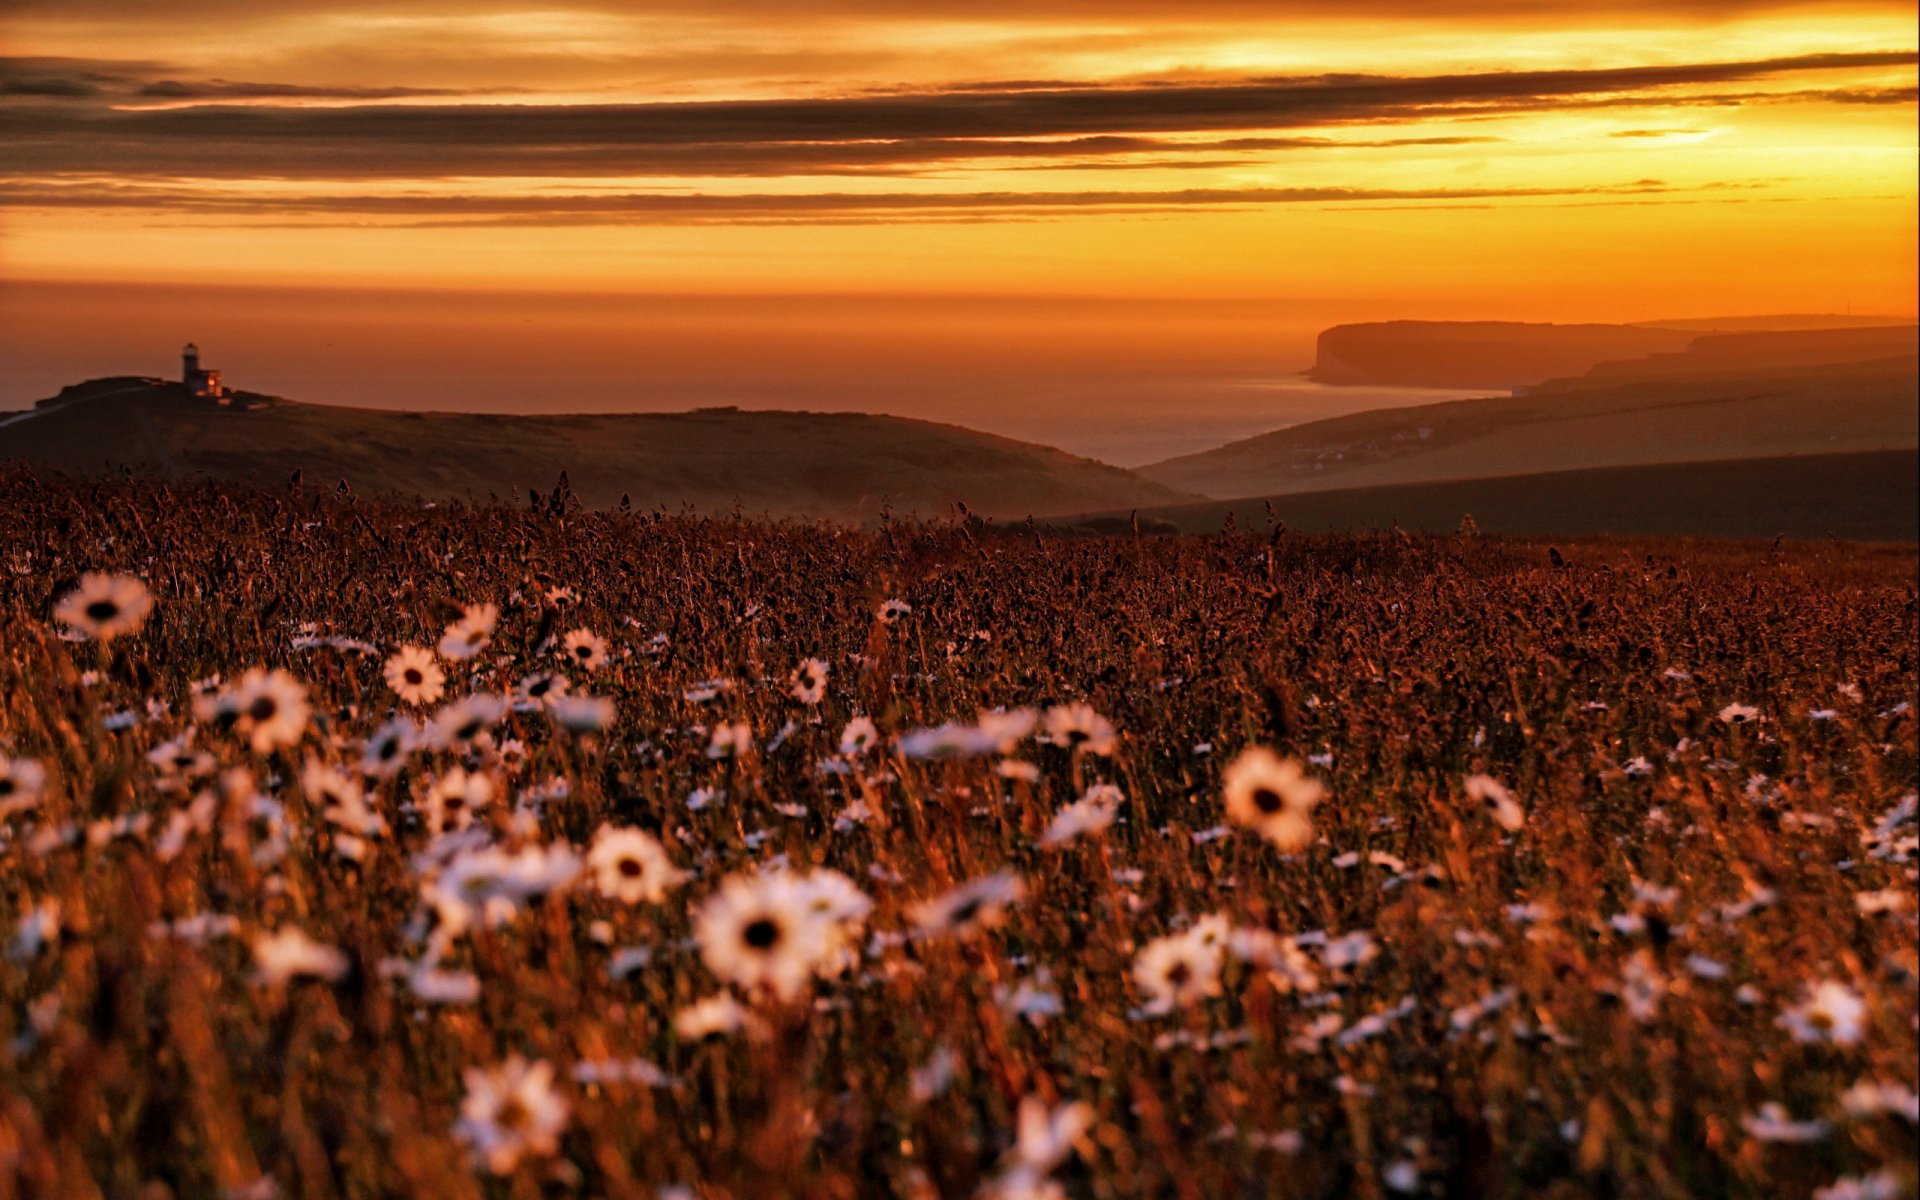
855,188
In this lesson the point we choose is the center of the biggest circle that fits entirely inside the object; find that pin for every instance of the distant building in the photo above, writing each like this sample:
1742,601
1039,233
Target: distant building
199,380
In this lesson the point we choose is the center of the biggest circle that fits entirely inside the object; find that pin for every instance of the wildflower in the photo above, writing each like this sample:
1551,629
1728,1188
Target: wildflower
858,737
715,1016
1642,986
1498,802
464,722
387,747
1830,1012
630,866
290,954
809,682
1091,813
342,800
511,1111
1738,714
21,782
455,797
980,902
633,1070
892,611
179,763
1078,727
471,634
730,740
37,928
1272,796
103,607
761,932
437,985
585,649
1355,949
269,708
537,690
1177,971
1773,1124
1881,1185
583,714
1288,967
1870,1097
414,676
1043,1140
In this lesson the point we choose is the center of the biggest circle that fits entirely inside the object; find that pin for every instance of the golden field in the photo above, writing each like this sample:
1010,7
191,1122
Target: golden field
942,859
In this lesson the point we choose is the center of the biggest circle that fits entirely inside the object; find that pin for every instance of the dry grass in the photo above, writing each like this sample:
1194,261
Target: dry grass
140,1065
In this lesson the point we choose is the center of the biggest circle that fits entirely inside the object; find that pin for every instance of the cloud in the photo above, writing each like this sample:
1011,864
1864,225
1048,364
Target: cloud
835,134
653,208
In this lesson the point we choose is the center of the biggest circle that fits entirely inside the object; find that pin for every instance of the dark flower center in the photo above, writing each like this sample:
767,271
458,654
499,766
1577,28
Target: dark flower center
414,676
469,731
1267,800
966,911
103,610
630,868
263,708
1180,974
761,934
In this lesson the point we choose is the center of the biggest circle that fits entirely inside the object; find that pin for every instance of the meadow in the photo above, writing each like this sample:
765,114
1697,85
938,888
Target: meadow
353,848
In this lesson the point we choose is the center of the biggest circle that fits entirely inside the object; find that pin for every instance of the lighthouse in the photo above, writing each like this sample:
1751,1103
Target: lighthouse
197,379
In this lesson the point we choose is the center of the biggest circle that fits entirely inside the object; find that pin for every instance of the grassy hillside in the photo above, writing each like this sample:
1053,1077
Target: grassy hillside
841,465
1602,423
1866,497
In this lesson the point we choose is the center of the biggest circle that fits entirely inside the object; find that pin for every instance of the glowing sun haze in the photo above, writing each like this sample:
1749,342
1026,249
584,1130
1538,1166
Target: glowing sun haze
1305,162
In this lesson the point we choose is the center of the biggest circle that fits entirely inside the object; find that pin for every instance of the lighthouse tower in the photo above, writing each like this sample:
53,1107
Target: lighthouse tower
197,379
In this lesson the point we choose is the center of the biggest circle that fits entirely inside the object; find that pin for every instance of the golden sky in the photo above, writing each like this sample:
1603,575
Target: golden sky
1610,160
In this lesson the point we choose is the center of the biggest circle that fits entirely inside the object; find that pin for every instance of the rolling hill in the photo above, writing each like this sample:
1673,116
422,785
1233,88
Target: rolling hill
847,466
1734,412
1872,496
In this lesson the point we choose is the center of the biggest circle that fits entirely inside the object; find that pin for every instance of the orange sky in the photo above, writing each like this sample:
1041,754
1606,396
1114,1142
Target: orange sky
1472,158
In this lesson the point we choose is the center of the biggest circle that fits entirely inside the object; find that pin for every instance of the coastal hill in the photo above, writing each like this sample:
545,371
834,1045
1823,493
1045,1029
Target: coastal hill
1509,354
846,466
1736,405
1870,497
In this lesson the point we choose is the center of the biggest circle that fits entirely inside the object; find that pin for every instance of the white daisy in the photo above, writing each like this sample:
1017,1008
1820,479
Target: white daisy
290,954
1177,971
1091,813
715,1016
762,933
1498,802
858,737
978,903
585,649
1829,1012
268,708
1079,728
22,780
388,747
808,684
414,676
511,1111
104,607
465,721
471,634
583,714
1272,796
537,690
629,866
